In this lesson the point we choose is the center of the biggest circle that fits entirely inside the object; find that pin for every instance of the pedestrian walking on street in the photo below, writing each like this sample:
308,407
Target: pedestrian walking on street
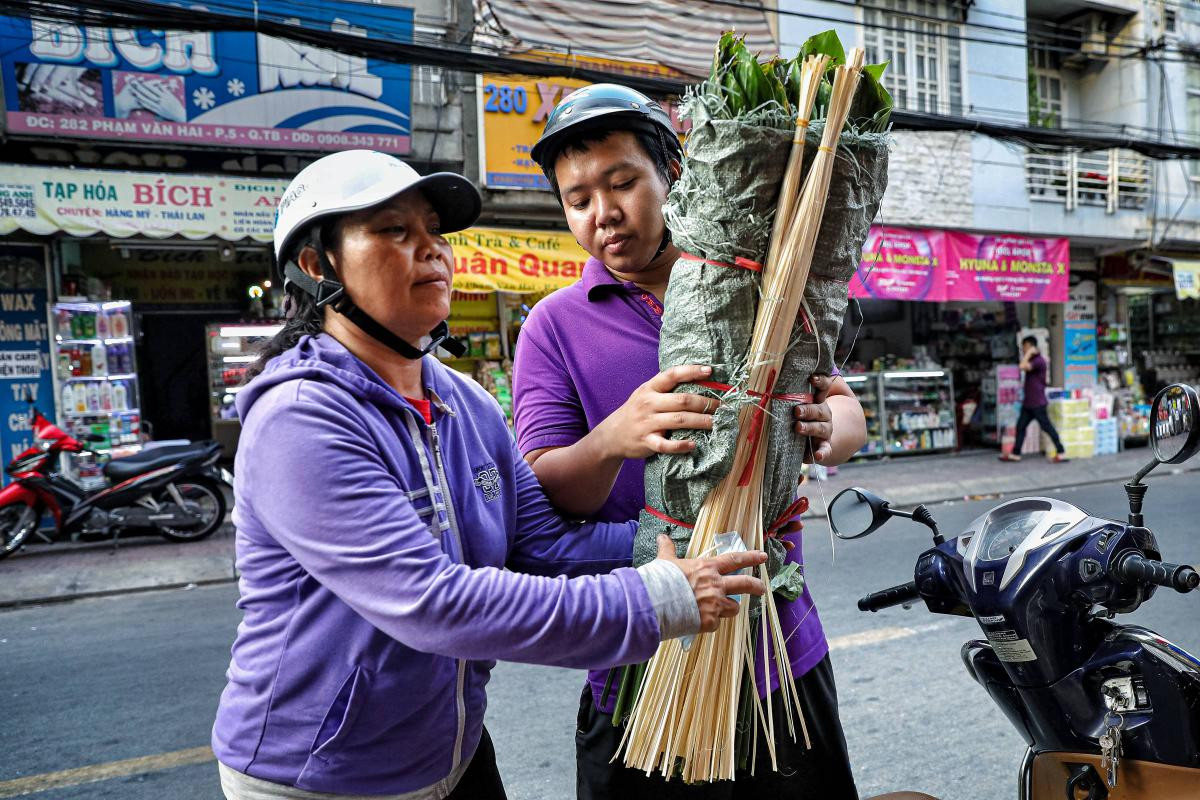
1033,406
391,541
590,405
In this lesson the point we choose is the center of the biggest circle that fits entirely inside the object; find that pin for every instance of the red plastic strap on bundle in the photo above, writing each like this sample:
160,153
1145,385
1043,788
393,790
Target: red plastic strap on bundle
654,512
807,324
794,510
725,387
756,425
739,262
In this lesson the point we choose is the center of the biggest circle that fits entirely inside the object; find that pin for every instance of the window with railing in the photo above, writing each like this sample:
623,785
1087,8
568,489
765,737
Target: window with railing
923,42
1047,91
1114,179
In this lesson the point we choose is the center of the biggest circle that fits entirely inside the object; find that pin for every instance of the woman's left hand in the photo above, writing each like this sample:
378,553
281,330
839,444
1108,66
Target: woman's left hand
815,420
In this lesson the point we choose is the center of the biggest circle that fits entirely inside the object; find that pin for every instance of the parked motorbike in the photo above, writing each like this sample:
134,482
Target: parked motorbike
1108,711
172,490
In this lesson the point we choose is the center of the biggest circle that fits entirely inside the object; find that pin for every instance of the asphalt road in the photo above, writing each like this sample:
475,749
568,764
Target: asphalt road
105,680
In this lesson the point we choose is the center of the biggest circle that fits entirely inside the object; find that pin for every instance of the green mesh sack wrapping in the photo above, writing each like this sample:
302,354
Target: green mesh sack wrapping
710,309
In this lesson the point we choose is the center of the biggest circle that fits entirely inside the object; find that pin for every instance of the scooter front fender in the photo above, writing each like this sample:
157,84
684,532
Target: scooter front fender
32,496
17,492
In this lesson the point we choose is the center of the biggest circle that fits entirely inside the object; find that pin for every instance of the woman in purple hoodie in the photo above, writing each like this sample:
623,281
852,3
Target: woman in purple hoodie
391,541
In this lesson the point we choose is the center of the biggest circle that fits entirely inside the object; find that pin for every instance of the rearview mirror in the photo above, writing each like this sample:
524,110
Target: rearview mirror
856,512
1175,424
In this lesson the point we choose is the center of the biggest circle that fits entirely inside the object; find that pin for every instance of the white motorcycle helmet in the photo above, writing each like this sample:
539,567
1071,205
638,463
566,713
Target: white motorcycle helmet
351,181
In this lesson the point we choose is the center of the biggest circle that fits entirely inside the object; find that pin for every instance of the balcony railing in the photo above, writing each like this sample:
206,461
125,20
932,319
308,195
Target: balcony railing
1114,179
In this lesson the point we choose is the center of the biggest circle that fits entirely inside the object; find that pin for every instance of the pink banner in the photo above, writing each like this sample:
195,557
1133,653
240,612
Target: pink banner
901,264
932,265
1010,268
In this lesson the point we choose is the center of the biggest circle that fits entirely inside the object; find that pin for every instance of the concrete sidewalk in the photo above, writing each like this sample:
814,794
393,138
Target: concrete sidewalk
47,573
58,572
906,481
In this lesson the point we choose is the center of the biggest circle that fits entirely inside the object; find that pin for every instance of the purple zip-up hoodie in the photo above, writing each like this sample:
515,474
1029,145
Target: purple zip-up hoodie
371,548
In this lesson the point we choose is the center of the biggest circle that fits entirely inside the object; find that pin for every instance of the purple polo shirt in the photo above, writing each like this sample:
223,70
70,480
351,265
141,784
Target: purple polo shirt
582,352
1035,383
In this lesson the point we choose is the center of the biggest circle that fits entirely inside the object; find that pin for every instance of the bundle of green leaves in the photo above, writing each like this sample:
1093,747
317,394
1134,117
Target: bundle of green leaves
744,83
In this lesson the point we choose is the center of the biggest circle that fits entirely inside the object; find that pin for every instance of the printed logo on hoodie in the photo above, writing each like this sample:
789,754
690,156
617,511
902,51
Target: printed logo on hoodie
487,478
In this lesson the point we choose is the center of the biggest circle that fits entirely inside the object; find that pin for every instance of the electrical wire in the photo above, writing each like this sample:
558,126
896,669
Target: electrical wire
144,13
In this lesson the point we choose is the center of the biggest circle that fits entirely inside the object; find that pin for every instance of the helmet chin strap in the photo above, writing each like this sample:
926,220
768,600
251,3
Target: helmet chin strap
666,242
330,292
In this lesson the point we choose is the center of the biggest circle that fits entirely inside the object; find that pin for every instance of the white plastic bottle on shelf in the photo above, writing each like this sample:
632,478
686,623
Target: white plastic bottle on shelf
102,326
93,397
79,393
106,396
120,396
99,359
118,325
68,400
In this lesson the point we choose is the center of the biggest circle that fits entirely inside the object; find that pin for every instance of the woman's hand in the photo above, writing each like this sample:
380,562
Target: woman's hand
711,582
635,430
815,420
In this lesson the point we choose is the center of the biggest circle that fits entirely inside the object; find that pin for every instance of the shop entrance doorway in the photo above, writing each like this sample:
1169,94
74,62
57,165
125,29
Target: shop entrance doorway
174,363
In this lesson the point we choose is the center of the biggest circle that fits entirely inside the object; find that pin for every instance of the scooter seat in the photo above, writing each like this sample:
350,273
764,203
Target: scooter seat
122,469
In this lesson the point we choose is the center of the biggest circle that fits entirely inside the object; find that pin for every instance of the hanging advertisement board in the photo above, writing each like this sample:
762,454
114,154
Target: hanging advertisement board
236,89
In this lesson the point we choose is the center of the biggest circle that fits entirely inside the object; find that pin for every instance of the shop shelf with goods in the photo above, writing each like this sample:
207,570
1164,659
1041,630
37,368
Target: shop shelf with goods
232,348
918,411
1120,378
967,343
1165,339
97,390
866,388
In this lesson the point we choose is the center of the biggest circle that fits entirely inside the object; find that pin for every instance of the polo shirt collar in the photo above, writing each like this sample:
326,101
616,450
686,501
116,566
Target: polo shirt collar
597,279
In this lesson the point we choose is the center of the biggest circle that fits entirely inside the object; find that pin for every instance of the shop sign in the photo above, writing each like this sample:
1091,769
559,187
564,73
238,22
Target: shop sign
1187,279
24,349
1009,268
493,259
236,89
512,113
177,278
901,264
931,265
1079,337
44,200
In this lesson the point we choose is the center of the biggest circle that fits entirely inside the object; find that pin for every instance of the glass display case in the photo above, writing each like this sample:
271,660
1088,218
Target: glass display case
917,409
231,350
866,388
98,394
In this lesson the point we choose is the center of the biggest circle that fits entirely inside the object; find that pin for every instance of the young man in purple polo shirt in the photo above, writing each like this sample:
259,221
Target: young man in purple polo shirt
591,405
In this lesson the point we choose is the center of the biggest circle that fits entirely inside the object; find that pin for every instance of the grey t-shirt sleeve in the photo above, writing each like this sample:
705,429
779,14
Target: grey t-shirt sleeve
672,597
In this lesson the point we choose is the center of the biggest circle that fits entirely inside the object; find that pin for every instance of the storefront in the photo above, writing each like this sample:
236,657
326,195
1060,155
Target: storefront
1148,332
932,344
187,249
499,274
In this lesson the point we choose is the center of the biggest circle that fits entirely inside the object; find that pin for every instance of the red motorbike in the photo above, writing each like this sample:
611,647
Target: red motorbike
171,490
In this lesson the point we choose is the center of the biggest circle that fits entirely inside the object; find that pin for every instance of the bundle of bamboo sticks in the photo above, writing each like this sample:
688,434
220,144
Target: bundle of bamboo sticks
692,701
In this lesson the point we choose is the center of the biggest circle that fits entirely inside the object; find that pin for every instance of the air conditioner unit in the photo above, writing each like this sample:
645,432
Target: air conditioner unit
1094,28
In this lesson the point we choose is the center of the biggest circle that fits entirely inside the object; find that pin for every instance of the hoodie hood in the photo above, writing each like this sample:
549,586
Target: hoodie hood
323,358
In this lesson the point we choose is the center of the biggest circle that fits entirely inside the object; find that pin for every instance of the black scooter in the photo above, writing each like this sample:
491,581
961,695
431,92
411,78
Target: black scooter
1108,711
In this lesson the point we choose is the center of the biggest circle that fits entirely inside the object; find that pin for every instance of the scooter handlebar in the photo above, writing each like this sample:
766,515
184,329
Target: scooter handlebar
905,593
1136,567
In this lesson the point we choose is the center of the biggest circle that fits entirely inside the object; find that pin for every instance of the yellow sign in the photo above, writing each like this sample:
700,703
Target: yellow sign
512,112
494,259
1187,279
